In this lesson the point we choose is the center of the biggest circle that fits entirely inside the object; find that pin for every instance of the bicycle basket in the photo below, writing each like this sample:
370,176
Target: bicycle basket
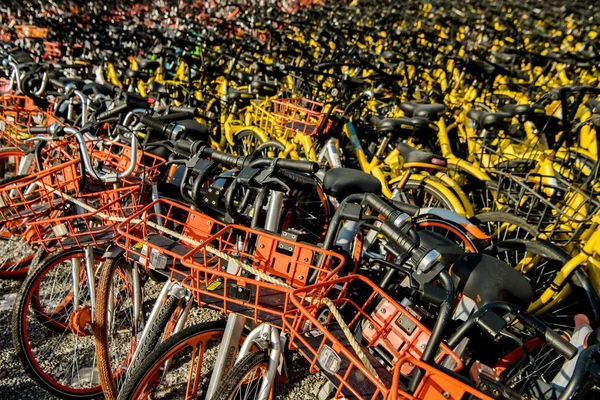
300,115
92,220
31,32
386,331
15,123
12,101
36,194
252,272
559,209
112,157
160,234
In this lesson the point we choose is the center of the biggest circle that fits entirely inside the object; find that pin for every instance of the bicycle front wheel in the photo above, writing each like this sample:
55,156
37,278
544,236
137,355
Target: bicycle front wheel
189,354
51,326
246,379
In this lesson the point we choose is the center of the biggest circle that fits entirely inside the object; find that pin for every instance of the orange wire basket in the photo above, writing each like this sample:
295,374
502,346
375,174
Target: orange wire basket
233,287
38,193
52,50
15,124
162,250
16,101
386,331
95,225
109,156
31,32
300,115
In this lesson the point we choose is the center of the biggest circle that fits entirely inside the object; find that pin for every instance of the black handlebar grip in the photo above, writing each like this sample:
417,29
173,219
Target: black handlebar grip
560,344
409,209
121,108
401,239
298,165
380,205
179,116
554,340
184,146
113,88
299,179
375,120
154,123
228,159
188,110
36,130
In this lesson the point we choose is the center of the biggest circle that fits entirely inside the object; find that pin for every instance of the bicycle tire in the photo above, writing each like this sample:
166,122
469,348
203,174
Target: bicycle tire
103,356
239,139
154,362
421,186
234,378
517,225
156,332
20,337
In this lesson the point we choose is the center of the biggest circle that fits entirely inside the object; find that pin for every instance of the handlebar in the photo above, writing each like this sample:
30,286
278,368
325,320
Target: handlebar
553,339
81,142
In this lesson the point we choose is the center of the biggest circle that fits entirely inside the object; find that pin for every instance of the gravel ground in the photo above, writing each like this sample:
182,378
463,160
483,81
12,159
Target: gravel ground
14,383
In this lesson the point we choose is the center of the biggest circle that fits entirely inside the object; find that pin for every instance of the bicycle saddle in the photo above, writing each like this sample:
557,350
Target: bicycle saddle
147,64
528,110
412,155
485,279
490,120
158,88
406,126
342,182
137,74
428,111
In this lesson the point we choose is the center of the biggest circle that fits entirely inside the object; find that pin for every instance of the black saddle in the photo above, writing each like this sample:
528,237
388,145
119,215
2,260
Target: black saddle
143,75
490,120
412,155
526,110
428,111
147,64
406,127
342,182
485,279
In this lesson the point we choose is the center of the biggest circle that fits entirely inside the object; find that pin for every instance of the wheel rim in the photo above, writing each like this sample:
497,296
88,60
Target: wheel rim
64,360
188,373
250,386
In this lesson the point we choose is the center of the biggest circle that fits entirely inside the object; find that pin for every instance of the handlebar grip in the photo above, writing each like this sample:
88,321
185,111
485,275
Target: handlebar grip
228,159
36,130
121,108
154,123
298,165
554,340
409,209
184,146
188,110
559,344
175,117
401,239
299,179
113,88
